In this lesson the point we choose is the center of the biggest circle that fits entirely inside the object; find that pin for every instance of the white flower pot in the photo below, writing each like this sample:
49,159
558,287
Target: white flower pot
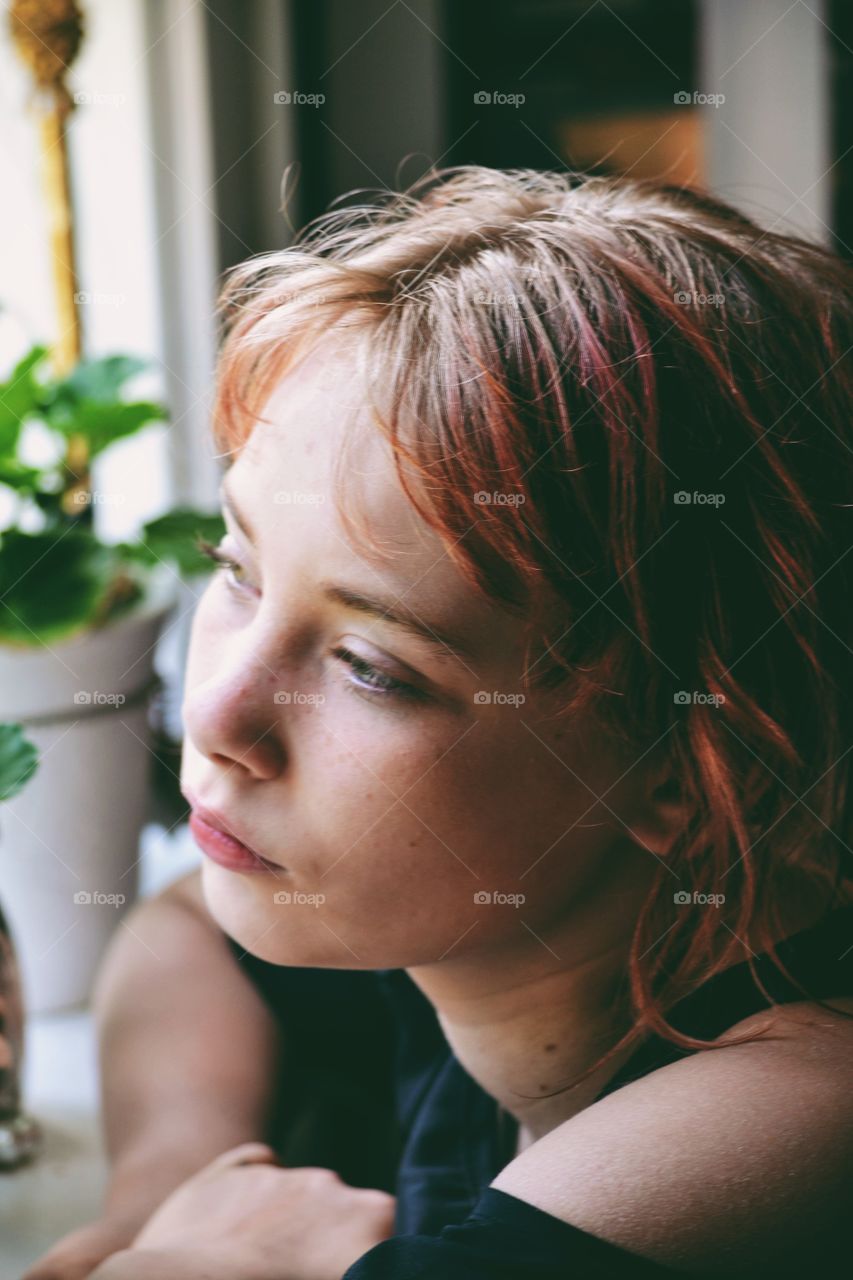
71,836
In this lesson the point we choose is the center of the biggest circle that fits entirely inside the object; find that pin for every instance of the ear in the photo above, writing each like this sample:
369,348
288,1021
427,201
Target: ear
661,814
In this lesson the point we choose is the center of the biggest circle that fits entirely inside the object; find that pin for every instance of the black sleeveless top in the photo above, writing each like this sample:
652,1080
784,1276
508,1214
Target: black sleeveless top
451,1138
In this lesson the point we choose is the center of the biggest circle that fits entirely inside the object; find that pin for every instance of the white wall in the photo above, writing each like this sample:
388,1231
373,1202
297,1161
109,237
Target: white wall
182,174
768,146
144,191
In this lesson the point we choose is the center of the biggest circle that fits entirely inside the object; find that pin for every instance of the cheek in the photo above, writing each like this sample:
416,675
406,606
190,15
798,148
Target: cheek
414,843
433,813
392,827
360,767
496,812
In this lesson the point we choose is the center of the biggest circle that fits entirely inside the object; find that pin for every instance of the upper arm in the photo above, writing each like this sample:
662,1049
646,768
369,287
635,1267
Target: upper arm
169,938
187,891
728,1161
177,1017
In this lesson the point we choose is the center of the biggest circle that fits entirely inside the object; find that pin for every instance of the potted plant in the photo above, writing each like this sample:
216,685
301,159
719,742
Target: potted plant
79,621
19,1134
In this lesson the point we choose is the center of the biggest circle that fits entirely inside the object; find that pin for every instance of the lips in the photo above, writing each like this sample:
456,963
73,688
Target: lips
215,819
219,838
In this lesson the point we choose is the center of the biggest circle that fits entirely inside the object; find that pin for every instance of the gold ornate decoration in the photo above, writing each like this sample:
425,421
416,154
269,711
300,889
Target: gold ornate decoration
47,35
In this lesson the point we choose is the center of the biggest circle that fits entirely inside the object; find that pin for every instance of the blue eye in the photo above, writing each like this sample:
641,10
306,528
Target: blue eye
368,679
372,680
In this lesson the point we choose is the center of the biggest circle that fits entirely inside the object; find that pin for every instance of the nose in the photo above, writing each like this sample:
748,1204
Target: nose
233,720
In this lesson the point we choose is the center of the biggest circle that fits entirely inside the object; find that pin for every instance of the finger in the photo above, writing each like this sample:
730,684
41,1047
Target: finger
76,1255
68,1267
246,1153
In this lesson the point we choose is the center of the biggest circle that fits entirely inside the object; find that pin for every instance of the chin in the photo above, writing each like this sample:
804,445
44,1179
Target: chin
279,932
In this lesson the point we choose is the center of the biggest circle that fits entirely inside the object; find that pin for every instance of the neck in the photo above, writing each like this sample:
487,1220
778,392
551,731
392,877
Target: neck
527,1017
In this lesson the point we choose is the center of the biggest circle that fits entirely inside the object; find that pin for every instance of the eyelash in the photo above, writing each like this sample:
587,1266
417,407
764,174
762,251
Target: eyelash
392,687
218,556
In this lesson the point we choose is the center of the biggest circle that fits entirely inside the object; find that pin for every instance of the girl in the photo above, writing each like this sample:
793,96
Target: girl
523,698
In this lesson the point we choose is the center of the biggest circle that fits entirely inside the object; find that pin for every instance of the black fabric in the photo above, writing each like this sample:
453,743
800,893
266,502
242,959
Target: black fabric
503,1238
450,1138
335,1105
454,1136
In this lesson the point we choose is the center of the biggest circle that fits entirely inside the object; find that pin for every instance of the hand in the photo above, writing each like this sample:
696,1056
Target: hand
245,1217
76,1255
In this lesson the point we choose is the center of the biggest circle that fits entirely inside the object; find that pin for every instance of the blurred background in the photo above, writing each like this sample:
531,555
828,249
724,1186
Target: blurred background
180,119
189,110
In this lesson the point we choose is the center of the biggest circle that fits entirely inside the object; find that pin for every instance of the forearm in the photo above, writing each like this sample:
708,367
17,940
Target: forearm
189,1053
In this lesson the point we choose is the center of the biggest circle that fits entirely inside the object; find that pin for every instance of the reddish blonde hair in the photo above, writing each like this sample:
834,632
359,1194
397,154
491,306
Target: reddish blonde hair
602,347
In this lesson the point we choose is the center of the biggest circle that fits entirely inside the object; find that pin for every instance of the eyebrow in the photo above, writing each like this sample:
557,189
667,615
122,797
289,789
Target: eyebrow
385,610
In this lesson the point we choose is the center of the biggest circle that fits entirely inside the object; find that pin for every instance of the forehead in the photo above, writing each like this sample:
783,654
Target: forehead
283,483
316,418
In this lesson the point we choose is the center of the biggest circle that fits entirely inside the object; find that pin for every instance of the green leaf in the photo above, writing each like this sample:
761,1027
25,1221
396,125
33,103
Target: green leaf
17,476
52,584
89,402
20,396
173,537
104,423
100,379
19,760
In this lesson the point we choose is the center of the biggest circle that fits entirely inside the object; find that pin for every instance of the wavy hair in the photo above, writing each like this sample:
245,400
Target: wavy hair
664,387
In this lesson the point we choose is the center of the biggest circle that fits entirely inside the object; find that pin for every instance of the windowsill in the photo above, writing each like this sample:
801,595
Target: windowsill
62,1188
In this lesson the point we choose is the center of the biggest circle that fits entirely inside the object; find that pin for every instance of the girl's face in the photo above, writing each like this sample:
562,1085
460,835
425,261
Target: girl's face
381,755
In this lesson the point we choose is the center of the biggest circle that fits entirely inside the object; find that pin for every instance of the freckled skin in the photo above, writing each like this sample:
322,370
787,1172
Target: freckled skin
398,814
468,785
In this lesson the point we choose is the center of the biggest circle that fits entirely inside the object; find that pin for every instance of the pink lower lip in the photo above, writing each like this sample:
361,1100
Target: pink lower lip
225,850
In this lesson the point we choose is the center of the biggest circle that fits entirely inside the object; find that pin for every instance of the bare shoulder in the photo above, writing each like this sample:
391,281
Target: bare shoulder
187,891
730,1161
